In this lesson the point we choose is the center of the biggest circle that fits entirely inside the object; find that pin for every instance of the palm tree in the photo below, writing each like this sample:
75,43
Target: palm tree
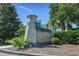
53,24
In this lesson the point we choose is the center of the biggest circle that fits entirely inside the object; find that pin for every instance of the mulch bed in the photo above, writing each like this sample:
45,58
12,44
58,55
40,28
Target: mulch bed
59,50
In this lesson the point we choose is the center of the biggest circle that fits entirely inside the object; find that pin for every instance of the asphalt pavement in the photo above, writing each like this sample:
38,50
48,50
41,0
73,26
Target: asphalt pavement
7,54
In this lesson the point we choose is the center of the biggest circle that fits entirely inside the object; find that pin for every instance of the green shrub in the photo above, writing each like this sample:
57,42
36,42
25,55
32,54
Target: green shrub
56,41
68,37
18,42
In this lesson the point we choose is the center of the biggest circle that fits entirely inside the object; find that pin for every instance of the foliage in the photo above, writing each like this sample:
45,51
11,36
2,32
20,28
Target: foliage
68,37
21,30
9,21
64,14
18,42
56,41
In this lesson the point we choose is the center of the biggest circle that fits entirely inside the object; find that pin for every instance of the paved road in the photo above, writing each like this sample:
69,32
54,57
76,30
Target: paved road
6,54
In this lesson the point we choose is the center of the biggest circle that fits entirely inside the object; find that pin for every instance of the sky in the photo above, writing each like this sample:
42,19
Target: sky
39,9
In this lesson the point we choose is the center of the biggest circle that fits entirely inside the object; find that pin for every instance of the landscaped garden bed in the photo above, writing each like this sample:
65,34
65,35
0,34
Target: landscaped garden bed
59,50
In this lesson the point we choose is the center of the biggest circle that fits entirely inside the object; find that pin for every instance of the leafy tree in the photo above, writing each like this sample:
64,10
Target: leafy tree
9,21
64,14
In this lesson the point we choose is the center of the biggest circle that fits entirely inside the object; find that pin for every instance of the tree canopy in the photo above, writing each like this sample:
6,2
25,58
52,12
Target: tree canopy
64,15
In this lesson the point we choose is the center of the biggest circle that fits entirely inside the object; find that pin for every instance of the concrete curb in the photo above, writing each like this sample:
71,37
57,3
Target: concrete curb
8,46
20,53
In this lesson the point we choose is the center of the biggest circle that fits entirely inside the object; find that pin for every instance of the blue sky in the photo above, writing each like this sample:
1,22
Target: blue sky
40,9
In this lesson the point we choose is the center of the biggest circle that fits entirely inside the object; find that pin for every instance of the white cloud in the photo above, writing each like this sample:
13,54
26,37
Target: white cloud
27,9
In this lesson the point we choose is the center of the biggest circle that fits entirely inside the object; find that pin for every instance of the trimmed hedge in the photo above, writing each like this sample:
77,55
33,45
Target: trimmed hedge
67,37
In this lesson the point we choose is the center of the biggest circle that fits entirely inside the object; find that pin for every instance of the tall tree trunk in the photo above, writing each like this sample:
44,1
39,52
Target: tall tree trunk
62,25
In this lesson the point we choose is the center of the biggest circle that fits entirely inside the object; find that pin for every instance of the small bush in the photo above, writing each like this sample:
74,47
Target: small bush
18,42
56,41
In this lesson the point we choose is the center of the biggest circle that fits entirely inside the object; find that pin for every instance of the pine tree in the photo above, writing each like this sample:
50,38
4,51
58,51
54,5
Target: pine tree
9,21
